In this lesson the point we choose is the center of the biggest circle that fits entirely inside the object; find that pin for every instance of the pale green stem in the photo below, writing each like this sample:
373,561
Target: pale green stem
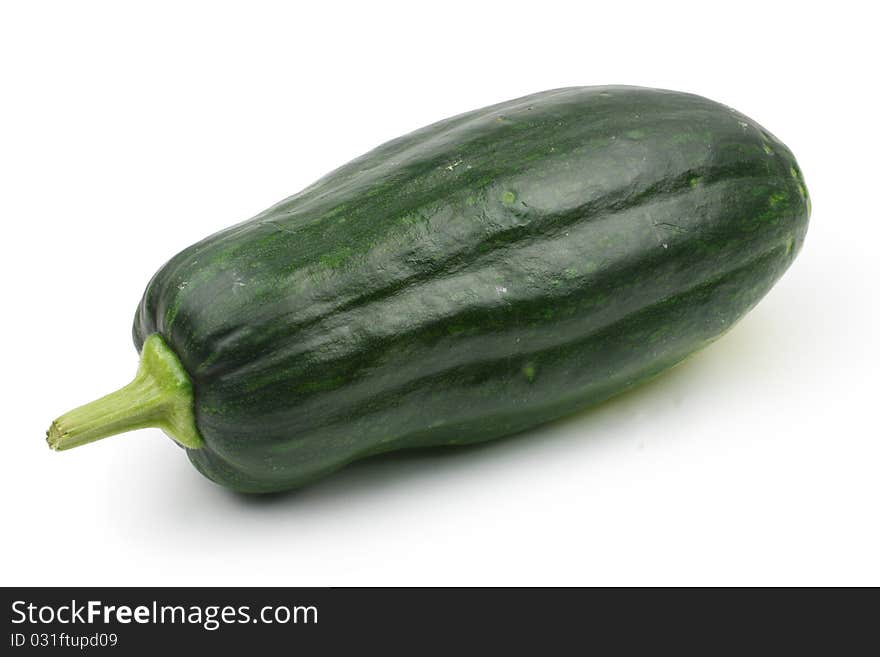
161,395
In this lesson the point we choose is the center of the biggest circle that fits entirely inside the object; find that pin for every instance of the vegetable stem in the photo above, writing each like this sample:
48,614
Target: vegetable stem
161,395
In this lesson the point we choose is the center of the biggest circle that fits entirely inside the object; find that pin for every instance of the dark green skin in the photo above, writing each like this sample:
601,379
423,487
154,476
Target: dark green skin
475,278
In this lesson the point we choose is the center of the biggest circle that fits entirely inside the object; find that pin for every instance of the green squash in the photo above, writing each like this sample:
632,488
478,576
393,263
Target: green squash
467,281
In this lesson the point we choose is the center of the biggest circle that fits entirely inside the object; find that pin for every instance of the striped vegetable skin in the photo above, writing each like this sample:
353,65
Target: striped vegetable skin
470,280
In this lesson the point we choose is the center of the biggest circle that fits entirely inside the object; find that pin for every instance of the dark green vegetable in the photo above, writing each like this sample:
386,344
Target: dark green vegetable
475,278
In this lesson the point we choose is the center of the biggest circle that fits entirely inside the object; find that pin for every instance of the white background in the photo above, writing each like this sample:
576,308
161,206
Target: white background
130,130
